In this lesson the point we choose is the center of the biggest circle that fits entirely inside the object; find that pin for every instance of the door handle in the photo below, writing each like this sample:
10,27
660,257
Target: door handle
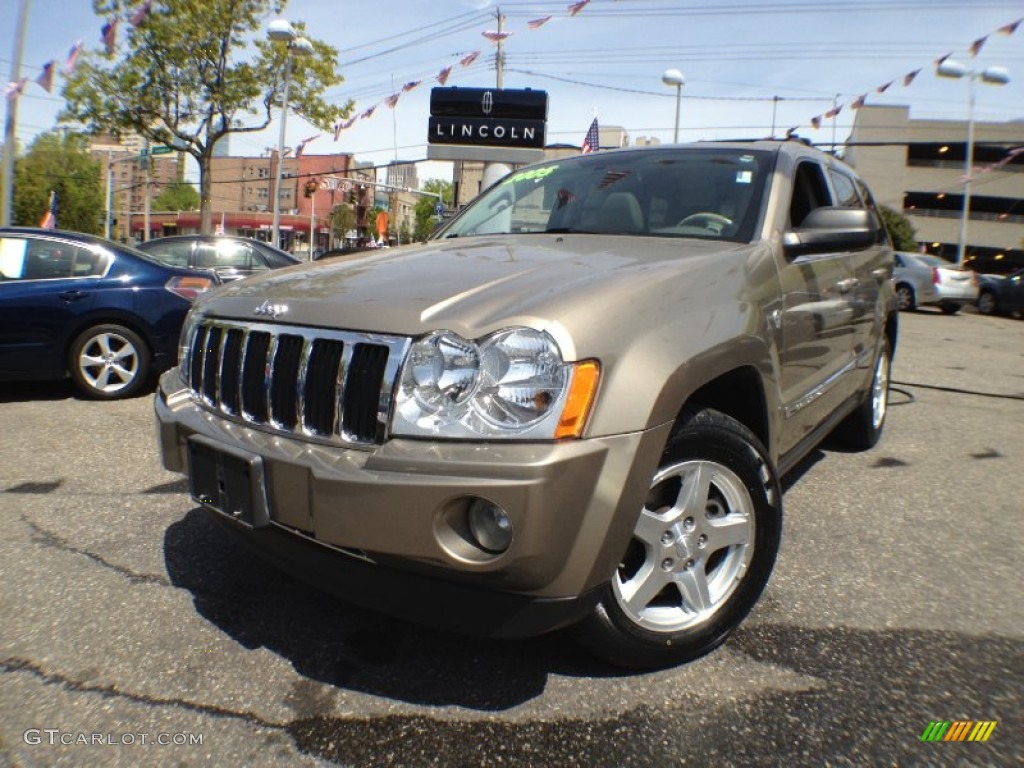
70,296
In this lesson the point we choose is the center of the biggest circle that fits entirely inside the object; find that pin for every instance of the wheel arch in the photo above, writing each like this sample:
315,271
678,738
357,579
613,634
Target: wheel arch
737,379
108,317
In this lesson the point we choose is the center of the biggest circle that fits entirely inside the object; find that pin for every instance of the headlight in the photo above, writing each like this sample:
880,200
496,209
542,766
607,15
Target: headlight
511,384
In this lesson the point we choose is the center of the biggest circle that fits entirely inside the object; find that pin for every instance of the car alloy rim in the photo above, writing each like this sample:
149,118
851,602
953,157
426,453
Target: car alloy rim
108,362
690,550
903,295
880,391
986,303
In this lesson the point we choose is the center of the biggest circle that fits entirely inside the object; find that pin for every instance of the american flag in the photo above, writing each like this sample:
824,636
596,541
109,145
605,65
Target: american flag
49,220
109,35
46,78
592,141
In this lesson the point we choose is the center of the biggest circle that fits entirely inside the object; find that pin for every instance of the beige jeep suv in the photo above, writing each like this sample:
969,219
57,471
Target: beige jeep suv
571,407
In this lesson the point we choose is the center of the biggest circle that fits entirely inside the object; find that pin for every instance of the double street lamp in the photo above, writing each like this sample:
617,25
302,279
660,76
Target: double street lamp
992,76
281,31
673,77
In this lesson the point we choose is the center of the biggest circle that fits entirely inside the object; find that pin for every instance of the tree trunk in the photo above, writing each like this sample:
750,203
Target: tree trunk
205,196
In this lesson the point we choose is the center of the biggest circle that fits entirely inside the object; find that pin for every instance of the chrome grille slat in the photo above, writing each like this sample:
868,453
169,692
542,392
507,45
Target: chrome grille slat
322,385
268,381
300,389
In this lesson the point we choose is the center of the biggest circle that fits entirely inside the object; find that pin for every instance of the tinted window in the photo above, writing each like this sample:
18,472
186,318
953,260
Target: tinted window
809,192
226,253
275,259
46,259
174,254
846,190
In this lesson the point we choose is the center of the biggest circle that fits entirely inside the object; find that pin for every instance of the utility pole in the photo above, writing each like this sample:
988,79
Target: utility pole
11,125
500,56
494,171
110,194
145,209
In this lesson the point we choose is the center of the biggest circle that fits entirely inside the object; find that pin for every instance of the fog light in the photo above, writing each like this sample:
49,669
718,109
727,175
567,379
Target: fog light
490,526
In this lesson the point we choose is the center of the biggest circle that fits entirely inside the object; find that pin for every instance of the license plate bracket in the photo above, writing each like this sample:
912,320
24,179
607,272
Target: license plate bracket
229,481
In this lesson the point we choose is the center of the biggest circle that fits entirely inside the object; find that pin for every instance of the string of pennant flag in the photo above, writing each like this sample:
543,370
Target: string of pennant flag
442,77
974,49
108,36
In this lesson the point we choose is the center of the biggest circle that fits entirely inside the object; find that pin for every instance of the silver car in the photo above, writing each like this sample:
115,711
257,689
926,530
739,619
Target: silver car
956,286
913,281
572,405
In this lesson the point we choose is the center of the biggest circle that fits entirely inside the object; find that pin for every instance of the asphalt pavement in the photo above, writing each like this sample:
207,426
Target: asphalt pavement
134,631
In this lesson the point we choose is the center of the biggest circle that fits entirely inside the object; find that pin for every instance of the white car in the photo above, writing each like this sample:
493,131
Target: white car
952,287
913,282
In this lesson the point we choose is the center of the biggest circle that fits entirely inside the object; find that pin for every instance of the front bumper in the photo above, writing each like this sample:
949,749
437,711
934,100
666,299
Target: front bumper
393,516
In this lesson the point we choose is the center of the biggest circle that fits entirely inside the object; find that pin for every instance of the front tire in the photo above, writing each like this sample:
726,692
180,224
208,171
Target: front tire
987,303
108,362
701,552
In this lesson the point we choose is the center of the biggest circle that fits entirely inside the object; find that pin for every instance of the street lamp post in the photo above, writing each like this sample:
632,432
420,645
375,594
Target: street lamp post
280,30
674,77
992,76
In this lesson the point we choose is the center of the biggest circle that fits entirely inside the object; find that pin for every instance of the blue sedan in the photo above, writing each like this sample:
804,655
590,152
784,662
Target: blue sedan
77,305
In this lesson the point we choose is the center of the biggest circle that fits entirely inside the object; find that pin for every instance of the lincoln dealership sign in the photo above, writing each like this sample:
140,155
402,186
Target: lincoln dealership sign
503,125
475,130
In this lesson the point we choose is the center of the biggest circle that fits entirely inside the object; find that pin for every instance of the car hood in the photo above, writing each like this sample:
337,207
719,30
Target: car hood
478,285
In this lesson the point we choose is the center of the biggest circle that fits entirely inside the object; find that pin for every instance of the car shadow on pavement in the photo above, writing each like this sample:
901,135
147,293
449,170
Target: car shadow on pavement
330,641
23,391
41,391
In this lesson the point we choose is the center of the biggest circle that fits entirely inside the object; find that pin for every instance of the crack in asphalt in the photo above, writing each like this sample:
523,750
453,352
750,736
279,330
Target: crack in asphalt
15,665
47,538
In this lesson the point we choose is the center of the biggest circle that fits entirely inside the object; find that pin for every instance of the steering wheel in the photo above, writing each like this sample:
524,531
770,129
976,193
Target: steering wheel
714,222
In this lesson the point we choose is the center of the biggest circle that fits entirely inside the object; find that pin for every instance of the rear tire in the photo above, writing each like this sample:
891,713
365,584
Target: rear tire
109,362
701,552
862,429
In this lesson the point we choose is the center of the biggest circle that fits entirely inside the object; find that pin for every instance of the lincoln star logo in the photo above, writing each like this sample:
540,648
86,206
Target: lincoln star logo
273,311
487,104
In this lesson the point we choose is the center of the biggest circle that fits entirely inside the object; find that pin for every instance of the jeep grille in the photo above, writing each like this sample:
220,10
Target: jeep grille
333,386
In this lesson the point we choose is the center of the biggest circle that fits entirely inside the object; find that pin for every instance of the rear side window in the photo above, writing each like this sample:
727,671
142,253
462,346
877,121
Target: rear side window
226,253
171,254
46,259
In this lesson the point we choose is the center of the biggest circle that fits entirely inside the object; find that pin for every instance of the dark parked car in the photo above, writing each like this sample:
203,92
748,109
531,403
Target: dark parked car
1001,294
231,257
78,305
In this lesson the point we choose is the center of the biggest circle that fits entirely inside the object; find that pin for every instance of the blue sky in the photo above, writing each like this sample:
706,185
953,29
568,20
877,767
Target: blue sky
737,56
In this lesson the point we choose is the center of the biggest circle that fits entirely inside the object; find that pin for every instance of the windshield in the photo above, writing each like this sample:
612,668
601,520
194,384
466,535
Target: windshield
698,192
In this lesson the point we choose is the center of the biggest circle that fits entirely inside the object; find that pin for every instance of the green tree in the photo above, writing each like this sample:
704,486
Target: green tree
904,236
179,196
60,163
194,71
426,218
343,219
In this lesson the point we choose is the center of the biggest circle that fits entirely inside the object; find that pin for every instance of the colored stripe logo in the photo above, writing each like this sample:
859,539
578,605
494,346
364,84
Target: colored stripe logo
958,730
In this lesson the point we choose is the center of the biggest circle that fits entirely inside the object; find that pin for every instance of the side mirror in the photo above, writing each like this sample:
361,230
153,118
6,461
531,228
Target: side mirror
832,229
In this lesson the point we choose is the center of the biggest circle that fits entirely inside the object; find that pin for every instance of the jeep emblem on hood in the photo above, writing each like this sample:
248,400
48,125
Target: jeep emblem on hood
266,309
